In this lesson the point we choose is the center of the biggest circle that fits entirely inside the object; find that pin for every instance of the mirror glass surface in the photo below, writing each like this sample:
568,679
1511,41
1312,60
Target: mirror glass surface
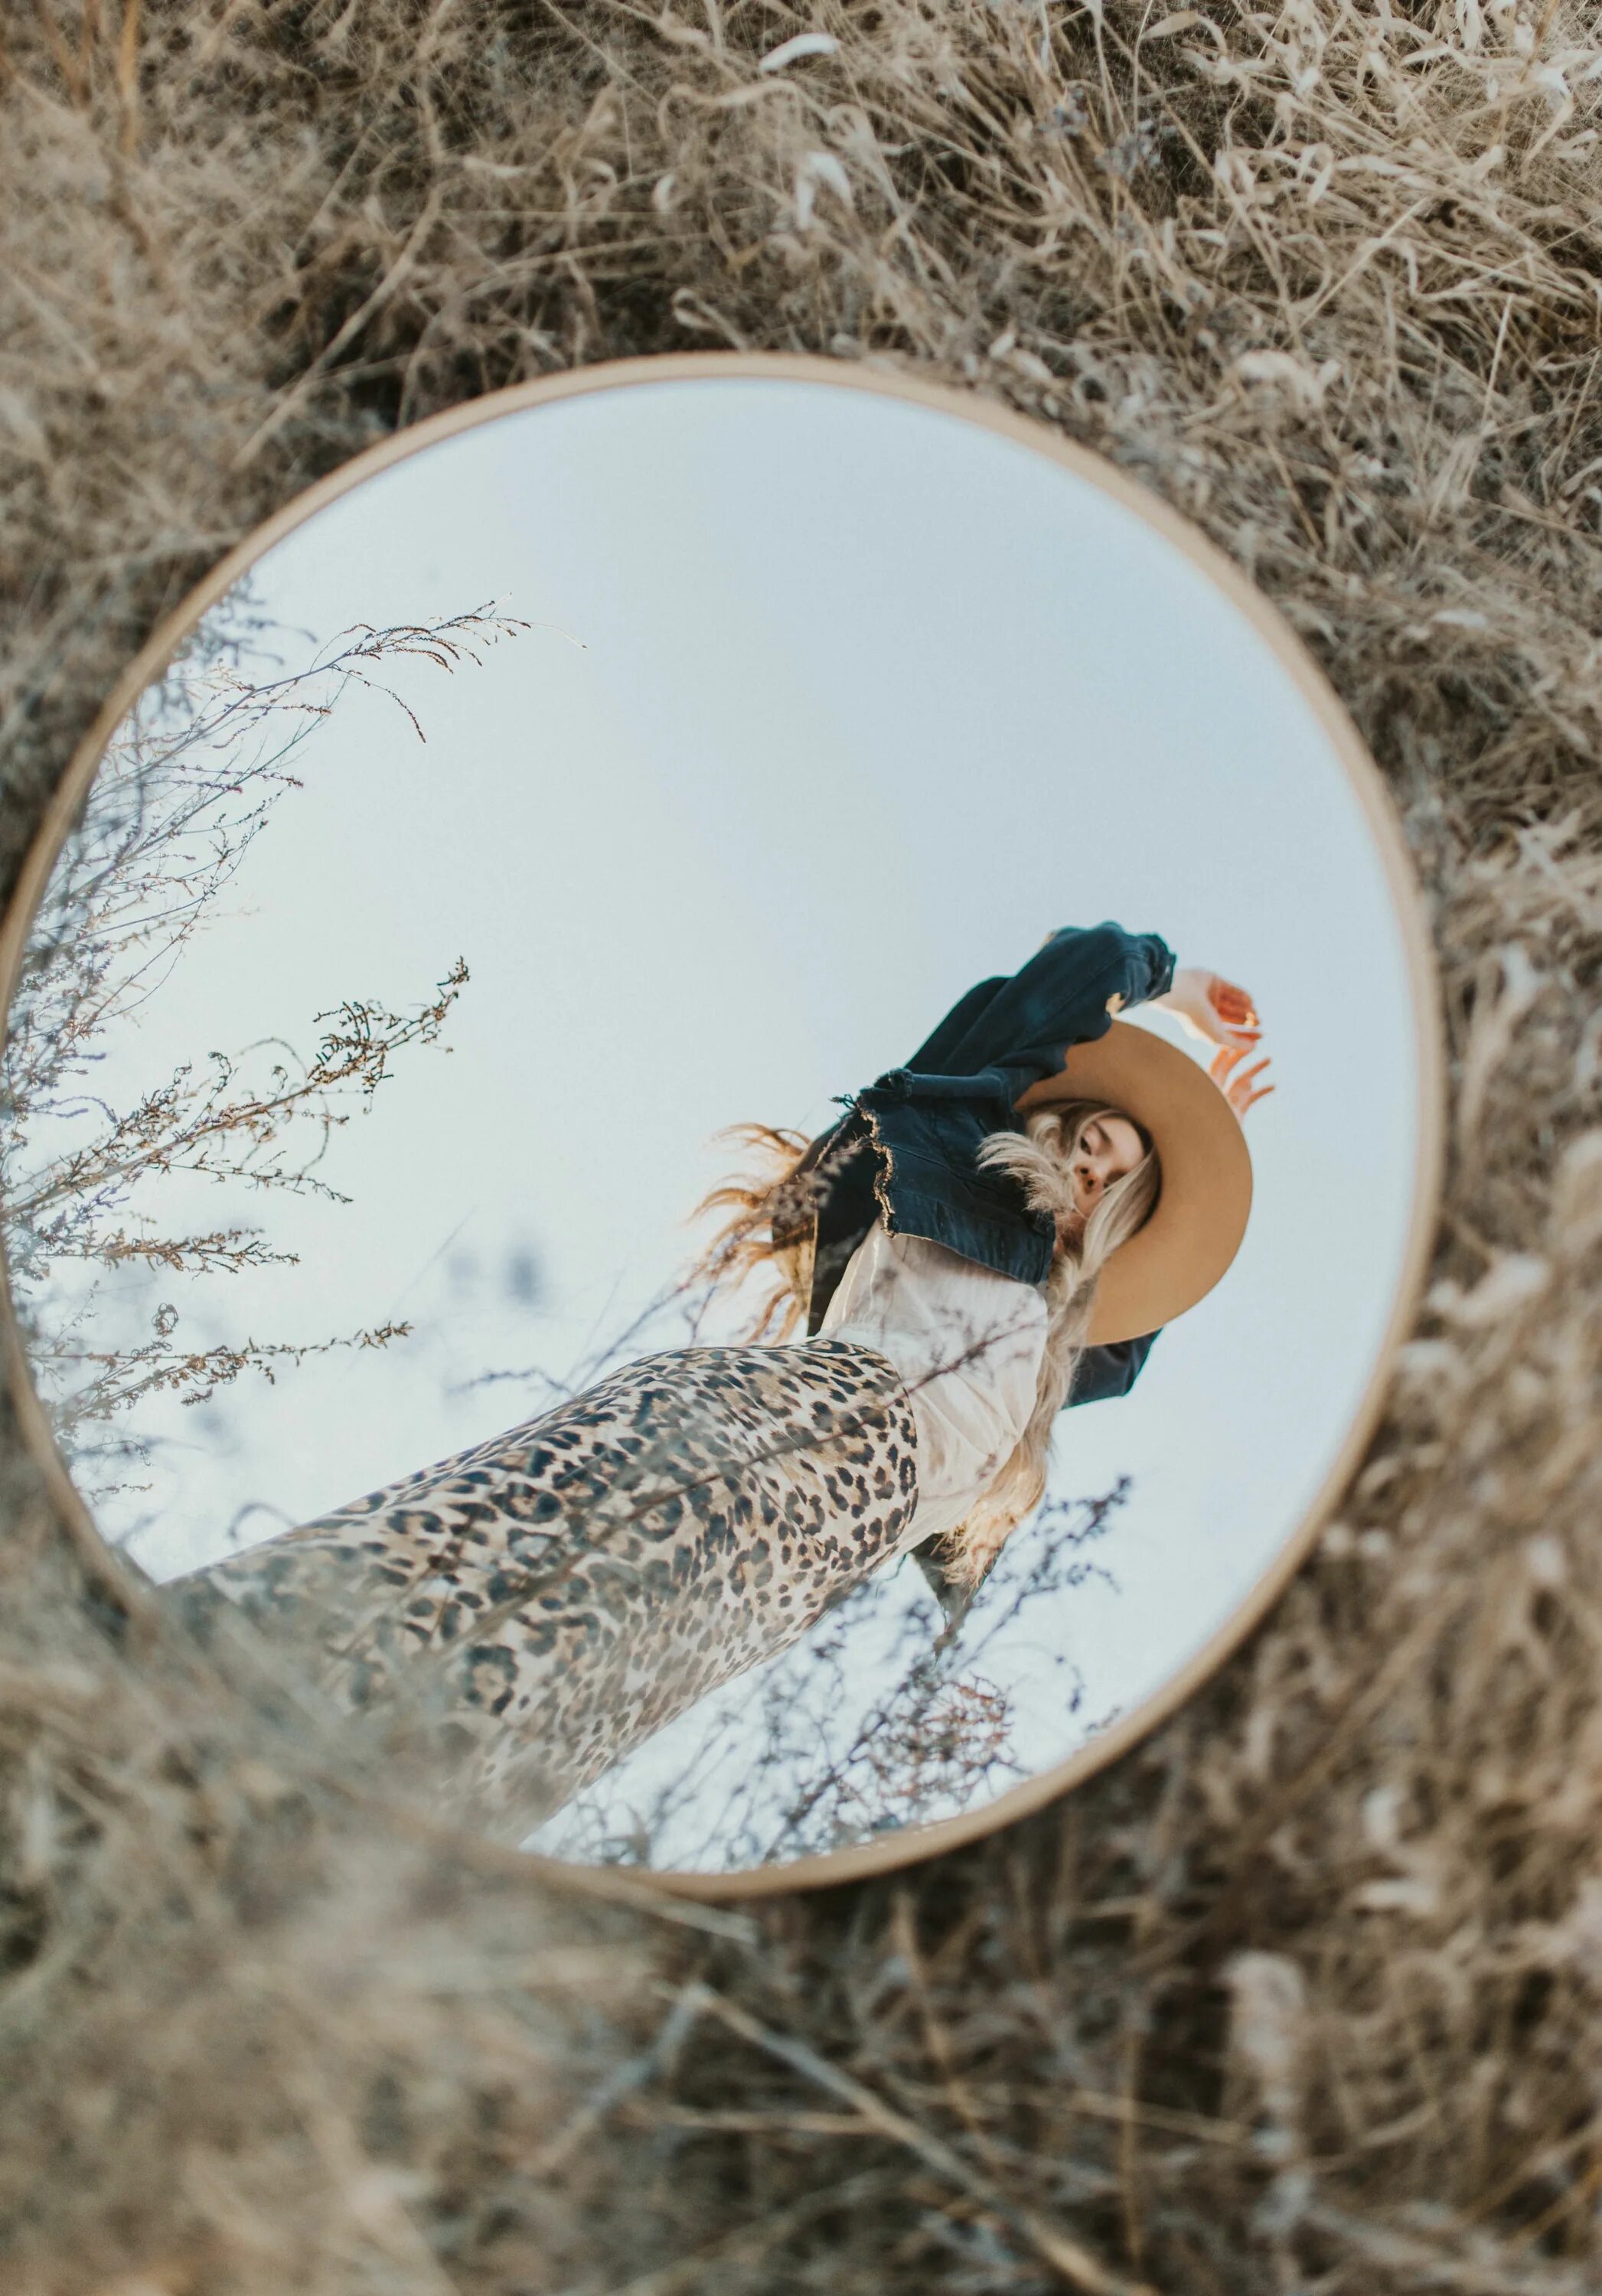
632,765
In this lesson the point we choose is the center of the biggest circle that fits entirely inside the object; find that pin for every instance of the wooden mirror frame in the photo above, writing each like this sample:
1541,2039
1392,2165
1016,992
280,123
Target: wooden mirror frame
916,1842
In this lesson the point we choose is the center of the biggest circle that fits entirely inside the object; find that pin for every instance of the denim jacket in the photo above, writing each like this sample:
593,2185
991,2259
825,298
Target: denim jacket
905,1150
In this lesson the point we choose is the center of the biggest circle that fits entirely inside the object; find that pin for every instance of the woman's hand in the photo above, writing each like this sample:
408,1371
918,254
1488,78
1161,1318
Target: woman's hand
1238,1089
1214,1009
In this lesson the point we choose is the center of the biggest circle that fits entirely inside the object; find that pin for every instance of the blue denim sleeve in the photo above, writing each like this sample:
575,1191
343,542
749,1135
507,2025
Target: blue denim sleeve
1102,1373
931,1053
1064,989
1143,963
1023,1027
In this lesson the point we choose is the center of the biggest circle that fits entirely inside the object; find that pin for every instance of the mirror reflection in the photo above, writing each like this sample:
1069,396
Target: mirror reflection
720,1094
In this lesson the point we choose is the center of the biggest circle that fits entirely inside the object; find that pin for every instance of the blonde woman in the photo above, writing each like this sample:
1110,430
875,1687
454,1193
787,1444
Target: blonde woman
997,1229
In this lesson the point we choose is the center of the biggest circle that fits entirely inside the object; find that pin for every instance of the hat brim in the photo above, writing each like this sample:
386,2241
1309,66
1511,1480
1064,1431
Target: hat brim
1196,1229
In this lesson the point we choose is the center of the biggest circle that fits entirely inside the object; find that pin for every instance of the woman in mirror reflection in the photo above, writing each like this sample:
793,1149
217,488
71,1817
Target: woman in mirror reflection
993,1233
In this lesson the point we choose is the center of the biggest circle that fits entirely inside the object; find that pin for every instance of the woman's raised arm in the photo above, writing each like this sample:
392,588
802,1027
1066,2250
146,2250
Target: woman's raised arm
1213,1008
1221,1013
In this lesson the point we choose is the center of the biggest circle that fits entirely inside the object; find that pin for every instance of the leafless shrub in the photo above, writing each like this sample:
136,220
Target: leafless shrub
188,783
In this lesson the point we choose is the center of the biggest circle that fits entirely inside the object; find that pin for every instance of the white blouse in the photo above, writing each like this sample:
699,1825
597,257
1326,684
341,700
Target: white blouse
968,1344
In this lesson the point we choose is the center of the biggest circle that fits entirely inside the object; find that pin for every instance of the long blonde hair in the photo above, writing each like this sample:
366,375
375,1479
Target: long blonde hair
1039,1159
768,1231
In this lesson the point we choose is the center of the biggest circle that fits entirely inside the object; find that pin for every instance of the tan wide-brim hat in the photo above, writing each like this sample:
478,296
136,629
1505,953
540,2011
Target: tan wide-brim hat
1195,1231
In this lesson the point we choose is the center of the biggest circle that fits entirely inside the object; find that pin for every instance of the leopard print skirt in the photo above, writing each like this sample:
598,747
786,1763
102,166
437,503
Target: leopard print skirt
547,1599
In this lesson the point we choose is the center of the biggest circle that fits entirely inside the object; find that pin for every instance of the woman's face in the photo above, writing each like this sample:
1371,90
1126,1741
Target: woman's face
1108,1147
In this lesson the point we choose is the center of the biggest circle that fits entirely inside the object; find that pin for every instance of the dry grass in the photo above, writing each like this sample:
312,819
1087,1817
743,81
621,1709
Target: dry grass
1305,1995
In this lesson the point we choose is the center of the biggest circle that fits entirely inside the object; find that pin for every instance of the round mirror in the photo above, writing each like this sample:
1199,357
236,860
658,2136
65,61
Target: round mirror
755,780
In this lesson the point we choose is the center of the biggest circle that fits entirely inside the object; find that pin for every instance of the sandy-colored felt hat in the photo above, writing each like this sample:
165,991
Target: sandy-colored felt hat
1195,1231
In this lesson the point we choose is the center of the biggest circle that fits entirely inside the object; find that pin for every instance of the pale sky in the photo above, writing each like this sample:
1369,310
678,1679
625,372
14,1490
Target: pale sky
866,700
